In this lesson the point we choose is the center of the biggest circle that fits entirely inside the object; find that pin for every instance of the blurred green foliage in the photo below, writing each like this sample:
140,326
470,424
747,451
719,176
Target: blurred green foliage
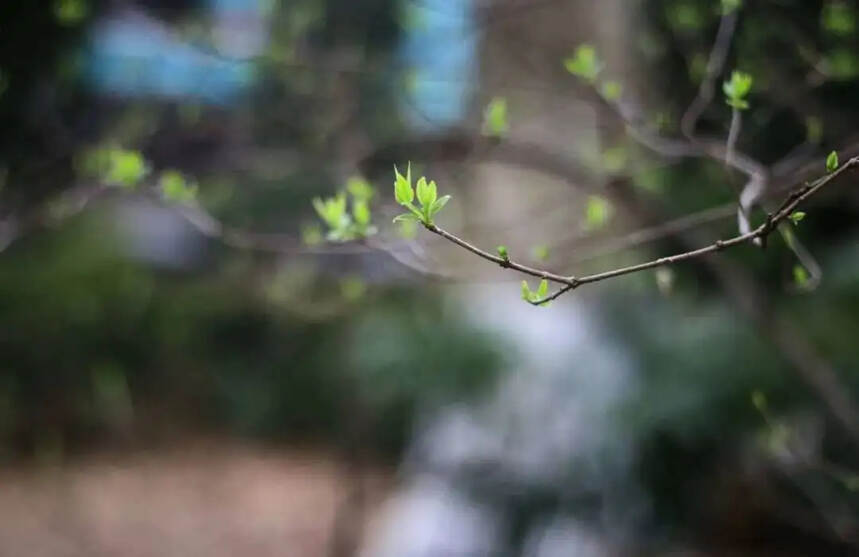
495,122
95,345
98,346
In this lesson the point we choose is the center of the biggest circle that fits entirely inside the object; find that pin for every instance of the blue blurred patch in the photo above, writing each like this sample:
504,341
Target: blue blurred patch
135,56
439,49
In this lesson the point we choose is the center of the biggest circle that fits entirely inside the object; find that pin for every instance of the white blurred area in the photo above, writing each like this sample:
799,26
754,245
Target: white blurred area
550,428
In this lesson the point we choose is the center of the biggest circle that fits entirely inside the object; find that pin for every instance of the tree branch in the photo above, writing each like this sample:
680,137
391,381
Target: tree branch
571,282
500,261
715,65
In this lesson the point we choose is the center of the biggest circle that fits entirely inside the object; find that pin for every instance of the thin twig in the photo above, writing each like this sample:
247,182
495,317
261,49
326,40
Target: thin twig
715,65
733,136
500,261
572,282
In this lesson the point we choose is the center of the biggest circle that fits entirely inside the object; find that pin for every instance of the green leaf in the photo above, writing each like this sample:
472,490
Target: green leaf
685,16
612,90
526,291
439,204
70,12
311,235
584,63
174,187
841,64
360,188
838,18
426,193
540,252
113,166
421,190
403,191
739,85
337,208
797,217
737,89
495,118
502,252
352,288
125,168
320,208
361,212
832,162
433,192
800,276
598,212
407,217
341,234
543,289
333,212
533,297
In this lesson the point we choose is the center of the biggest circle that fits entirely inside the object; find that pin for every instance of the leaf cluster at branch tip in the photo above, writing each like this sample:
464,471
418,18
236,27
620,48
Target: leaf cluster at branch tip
737,90
342,225
427,197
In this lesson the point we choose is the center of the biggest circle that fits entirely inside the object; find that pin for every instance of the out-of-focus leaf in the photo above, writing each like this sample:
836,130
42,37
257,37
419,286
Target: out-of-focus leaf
495,118
598,212
311,235
584,63
540,252
612,90
353,288
838,18
360,188
71,12
175,187
800,276
361,212
123,168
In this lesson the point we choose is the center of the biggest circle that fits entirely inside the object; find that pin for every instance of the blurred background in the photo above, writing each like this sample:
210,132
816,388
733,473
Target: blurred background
188,366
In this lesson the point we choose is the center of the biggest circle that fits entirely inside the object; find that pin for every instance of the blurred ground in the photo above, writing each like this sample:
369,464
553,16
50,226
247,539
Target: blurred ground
205,499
